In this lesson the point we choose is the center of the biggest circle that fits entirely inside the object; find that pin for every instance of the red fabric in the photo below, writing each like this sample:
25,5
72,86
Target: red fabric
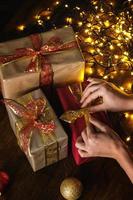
69,103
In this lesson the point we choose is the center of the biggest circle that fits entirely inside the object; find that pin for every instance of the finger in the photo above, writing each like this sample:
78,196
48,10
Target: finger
94,80
84,135
100,125
80,144
97,108
89,129
91,98
83,154
89,85
79,140
89,90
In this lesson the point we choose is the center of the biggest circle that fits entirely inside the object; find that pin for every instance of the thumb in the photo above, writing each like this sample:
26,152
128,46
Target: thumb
96,108
100,125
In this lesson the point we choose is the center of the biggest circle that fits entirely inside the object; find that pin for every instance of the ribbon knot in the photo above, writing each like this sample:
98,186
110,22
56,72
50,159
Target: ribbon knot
54,44
30,113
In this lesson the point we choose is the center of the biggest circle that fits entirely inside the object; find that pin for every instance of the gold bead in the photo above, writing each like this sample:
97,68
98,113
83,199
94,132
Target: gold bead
71,188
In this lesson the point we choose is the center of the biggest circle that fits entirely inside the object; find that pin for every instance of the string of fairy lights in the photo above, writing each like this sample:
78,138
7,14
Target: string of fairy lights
105,37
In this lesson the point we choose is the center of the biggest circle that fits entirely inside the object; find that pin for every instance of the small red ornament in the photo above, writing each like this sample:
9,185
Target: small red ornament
4,180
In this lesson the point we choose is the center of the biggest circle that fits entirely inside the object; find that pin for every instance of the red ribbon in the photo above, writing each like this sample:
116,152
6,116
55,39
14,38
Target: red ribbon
31,114
53,45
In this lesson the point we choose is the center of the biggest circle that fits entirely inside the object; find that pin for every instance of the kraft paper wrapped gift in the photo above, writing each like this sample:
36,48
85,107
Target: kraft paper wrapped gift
38,131
40,59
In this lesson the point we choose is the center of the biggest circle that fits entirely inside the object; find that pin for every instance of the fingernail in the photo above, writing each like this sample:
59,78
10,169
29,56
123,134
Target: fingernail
83,105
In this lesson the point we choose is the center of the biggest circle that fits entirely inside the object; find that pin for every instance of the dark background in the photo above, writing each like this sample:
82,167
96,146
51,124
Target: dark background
15,12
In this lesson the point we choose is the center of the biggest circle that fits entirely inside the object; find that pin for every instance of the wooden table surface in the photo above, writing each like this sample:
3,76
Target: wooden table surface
103,179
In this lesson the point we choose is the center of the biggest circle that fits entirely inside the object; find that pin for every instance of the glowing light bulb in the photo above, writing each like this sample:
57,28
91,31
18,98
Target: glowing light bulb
126,53
97,16
66,6
105,77
98,50
69,20
88,40
129,86
127,39
86,30
122,71
119,37
40,22
116,56
128,138
78,8
131,116
112,77
21,27
37,16
101,44
91,50
111,3
80,23
111,47
88,25
124,58
122,22
94,2
48,17
117,31
119,44
57,3
126,115
122,88
89,70
107,23
100,72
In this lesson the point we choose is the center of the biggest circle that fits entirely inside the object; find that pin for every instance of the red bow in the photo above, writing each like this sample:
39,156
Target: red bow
53,45
31,113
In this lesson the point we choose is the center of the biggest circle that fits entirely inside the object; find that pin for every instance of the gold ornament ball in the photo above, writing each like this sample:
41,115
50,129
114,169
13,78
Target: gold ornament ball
71,188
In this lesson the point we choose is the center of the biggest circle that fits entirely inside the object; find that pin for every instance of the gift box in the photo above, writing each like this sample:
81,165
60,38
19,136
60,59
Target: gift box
38,131
70,102
40,59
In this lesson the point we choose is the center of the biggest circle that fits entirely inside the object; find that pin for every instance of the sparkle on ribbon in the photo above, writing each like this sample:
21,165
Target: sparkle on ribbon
54,44
71,116
31,112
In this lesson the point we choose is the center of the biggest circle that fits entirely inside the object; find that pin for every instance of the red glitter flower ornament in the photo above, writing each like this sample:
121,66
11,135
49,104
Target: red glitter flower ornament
4,180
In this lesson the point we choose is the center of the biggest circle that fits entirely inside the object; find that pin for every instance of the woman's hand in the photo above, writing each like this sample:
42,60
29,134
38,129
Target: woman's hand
113,98
104,143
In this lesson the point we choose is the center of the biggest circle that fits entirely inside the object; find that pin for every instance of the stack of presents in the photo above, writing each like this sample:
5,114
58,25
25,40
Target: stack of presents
27,64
